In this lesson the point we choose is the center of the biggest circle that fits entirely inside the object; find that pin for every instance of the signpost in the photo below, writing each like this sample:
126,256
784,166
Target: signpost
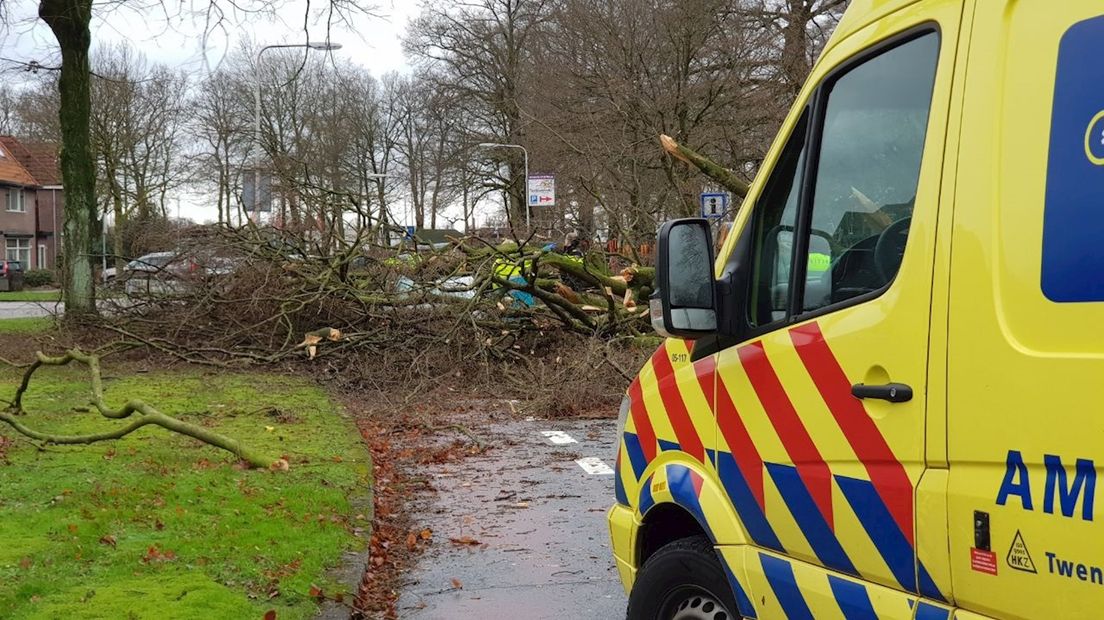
260,203
542,190
714,205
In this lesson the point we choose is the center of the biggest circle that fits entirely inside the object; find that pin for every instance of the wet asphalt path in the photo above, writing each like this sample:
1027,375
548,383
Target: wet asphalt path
28,309
539,519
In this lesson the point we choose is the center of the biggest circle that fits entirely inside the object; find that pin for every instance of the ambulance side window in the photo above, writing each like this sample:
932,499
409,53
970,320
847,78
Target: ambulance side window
773,232
872,143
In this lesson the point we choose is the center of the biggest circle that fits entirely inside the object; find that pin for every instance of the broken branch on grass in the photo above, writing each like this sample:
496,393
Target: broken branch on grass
146,415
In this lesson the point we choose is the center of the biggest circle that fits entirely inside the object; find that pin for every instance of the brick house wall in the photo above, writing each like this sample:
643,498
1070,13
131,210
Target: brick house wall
17,228
49,210
31,169
17,210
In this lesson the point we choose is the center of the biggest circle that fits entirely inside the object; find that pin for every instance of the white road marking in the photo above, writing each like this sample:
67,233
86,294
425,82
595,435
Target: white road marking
594,466
558,437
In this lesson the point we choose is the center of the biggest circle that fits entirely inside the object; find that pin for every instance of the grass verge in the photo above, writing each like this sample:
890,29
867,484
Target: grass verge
43,296
31,325
157,525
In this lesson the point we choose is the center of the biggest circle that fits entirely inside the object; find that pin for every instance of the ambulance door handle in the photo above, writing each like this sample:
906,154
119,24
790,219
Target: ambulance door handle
893,392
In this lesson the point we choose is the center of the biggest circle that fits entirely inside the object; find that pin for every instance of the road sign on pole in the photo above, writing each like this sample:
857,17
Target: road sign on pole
542,190
714,205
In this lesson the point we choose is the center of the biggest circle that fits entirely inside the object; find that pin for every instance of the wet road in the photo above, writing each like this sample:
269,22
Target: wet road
539,518
28,309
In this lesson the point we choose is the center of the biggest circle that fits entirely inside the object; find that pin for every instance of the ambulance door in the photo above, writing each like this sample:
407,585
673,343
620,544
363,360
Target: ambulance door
1025,361
821,413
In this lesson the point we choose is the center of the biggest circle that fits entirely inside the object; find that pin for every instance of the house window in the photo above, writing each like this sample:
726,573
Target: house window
20,250
16,201
41,264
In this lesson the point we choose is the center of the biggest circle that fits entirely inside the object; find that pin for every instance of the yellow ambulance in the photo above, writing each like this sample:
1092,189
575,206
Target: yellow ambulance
912,430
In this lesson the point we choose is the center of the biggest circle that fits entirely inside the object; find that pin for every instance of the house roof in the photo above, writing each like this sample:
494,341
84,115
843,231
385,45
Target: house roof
38,159
11,171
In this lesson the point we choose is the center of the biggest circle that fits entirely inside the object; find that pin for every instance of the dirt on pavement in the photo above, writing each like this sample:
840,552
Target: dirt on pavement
520,528
512,525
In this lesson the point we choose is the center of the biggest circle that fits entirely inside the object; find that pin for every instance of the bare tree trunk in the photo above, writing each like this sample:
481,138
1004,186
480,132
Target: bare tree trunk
69,20
221,191
795,46
464,206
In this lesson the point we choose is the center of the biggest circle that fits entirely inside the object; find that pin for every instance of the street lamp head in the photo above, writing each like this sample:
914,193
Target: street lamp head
325,46
488,145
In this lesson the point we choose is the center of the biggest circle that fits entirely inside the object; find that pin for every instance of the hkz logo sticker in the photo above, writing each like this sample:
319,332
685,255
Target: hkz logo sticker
1018,557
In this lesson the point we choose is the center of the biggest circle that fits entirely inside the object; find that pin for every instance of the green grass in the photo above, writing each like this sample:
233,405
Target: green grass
194,535
43,296
25,325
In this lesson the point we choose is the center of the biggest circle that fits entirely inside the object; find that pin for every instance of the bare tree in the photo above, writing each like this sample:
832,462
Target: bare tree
9,116
69,21
589,85
222,137
137,119
482,52
34,110
430,144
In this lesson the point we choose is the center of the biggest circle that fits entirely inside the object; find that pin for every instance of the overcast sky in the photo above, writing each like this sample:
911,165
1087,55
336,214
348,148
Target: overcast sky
177,39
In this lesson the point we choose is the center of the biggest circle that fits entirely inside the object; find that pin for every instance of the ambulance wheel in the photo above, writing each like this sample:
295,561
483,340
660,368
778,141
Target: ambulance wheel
684,580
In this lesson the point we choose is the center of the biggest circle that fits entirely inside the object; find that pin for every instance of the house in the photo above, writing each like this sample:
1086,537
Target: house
31,203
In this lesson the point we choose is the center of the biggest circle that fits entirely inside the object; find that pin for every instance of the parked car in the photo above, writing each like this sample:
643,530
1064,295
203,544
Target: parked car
161,273
11,275
453,286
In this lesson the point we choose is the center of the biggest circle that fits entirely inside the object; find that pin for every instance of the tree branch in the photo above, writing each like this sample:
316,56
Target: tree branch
147,415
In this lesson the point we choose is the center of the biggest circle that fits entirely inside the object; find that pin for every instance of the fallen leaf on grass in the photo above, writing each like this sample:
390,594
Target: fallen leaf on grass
465,540
108,539
316,592
153,554
270,614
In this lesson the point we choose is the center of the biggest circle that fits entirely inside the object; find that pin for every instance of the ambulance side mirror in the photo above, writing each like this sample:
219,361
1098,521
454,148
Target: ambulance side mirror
684,303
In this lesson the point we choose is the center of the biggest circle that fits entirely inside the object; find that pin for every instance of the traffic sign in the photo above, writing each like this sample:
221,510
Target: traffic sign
714,204
542,190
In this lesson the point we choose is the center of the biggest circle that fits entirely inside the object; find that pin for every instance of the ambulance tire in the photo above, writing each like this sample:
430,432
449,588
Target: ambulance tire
684,579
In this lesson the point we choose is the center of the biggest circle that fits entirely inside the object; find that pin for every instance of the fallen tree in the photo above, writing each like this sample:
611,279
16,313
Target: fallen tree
373,317
137,412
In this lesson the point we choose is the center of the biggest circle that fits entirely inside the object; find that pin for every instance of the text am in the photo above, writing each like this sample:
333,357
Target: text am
1063,487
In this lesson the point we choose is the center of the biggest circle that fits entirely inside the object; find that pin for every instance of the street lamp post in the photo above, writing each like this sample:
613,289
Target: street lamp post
325,46
494,145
